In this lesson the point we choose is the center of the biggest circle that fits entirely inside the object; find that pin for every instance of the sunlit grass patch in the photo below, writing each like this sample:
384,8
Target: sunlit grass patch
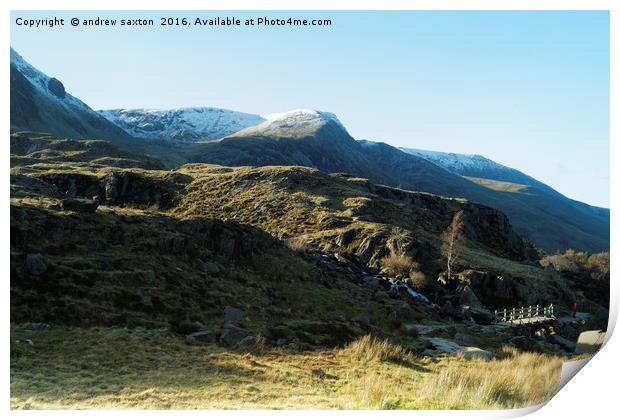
122,368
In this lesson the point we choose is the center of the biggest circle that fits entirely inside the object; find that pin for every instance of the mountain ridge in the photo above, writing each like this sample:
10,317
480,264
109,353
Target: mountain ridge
41,103
184,124
318,140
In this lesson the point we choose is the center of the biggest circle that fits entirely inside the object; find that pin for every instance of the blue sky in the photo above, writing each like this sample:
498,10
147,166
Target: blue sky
527,89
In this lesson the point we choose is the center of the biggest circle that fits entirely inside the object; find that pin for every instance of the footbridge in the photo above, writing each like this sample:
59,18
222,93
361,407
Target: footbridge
525,315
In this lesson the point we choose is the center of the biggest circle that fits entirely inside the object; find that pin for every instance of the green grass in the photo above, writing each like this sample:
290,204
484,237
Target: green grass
122,368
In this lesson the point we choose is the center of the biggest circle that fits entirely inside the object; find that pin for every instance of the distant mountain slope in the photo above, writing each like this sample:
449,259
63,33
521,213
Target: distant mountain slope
40,103
496,176
186,124
319,140
476,166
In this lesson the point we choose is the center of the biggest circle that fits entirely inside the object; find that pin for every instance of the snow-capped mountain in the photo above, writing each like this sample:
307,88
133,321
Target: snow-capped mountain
294,124
476,166
187,124
41,103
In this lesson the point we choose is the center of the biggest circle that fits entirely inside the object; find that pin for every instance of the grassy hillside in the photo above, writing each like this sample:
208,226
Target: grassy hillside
259,287
548,219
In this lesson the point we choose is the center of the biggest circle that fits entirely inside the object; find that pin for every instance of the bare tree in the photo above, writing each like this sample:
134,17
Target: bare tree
453,240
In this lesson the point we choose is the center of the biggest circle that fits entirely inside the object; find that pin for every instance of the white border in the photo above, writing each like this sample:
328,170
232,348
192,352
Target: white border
590,395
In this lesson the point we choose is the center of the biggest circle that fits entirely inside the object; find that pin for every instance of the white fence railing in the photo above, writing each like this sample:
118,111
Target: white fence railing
524,314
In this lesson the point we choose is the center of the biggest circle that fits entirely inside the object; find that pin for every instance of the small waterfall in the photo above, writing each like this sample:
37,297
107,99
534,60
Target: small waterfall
398,286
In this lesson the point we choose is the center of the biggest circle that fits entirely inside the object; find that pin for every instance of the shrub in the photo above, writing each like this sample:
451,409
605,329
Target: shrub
595,266
418,280
398,265
599,266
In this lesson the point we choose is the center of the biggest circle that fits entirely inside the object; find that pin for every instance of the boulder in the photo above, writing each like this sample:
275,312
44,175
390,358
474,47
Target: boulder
470,353
441,346
204,336
82,205
56,88
36,264
208,267
481,316
233,335
589,341
422,346
469,298
232,314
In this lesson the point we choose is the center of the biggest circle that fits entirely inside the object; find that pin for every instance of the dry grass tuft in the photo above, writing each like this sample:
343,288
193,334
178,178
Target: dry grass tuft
106,368
297,244
518,380
372,349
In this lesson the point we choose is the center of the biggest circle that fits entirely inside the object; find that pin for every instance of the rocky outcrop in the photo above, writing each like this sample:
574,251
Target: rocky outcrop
235,336
82,205
36,264
56,88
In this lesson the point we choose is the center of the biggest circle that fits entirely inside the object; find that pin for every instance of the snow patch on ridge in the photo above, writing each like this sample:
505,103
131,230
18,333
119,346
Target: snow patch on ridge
188,124
456,162
295,123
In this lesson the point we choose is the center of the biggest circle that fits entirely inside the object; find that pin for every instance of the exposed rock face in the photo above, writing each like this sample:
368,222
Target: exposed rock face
493,290
56,87
367,248
208,267
492,227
